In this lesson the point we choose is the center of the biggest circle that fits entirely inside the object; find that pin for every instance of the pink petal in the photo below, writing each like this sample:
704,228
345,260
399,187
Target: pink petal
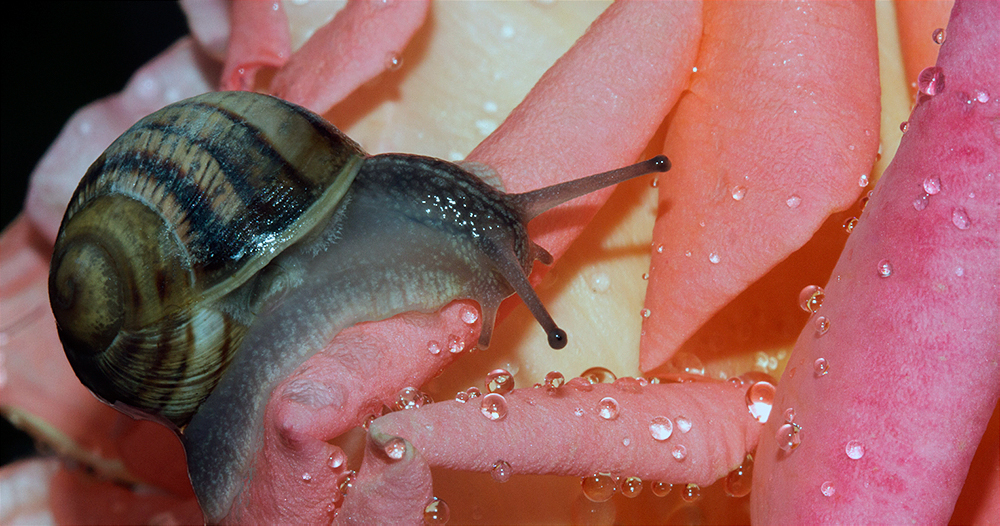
783,114
259,38
352,49
913,311
563,433
388,491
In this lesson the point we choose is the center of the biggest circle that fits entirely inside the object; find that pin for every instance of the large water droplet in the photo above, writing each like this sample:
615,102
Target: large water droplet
436,512
661,489
884,268
553,381
788,437
738,482
679,452
683,424
598,487
494,407
930,81
691,493
932,185
821,367
501,471
660,428
499,381
960,219
938,36
759,398
469,315
409,398
811,298
982,96
395,448
599,375
338,459
855,449
631,487
607,408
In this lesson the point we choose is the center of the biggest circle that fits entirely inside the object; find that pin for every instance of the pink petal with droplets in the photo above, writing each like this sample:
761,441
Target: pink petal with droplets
259,38
913,375
386,490
779,107
352,49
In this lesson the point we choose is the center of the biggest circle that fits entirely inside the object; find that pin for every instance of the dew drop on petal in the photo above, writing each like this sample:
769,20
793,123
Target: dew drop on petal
855,449
811,298
789,415
932,185
631,487
821,367
937,36
930,81
494,407
306,477
499,381
683,424
338,459
599,375
960,219
739,192
553,381
863,180
713,258
408,398
600,282
759,399
607,408
660,428
850,224
903,126
920,202
982,96
598,487
821,324
436,512
738,482
469,315
393,61
501,471
462,397
433,347
884,268
679,452
793,201
788,437
660,489
395,448
827,489
691,493
645,313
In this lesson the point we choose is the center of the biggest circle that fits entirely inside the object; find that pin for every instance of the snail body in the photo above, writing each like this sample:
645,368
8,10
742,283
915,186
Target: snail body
221,241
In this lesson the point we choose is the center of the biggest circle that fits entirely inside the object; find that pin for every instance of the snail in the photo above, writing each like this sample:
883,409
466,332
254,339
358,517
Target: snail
224,239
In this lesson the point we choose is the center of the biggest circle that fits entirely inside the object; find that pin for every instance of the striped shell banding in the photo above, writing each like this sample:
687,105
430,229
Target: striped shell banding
188,241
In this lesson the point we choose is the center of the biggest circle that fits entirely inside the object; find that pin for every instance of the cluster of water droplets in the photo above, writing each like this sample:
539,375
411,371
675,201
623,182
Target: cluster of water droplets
788,435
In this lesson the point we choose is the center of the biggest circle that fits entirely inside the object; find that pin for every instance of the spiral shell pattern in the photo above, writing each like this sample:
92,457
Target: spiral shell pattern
152,276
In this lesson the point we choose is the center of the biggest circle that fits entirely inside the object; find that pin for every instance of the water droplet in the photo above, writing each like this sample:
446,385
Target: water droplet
660,489
738,482
469,315
959,271
688,363
553,380
864,200
930,81
903,126
920,202
599,375
659,249
436,512
739,192
338,459
821,367
855,449
937,36
713,258
863,180
759,398
811,298
654,182
494,407
600,282
645,276
393,61
960,219
827,489
455,344
628,384
462,397
932,185
347,482
501,471
579,411
788,437
821,324
850,224
982,96
598,487
499,381
884,268
306,477
631,487
366,422
793,201
660,428
626,441
395,448
679,452
433,347
789,415
607,408
409,398
645,313
691,493
683,424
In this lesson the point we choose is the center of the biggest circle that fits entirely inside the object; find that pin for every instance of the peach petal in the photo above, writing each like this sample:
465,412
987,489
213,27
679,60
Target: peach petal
177,73
563,432
782,113
352,49
912,353
582,118
259,38
917,21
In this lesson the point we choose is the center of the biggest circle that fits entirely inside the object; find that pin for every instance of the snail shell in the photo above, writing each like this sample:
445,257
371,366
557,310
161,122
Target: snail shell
221,241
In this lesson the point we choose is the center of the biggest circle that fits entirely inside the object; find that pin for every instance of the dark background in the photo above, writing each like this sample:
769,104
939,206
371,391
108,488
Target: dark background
61,56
